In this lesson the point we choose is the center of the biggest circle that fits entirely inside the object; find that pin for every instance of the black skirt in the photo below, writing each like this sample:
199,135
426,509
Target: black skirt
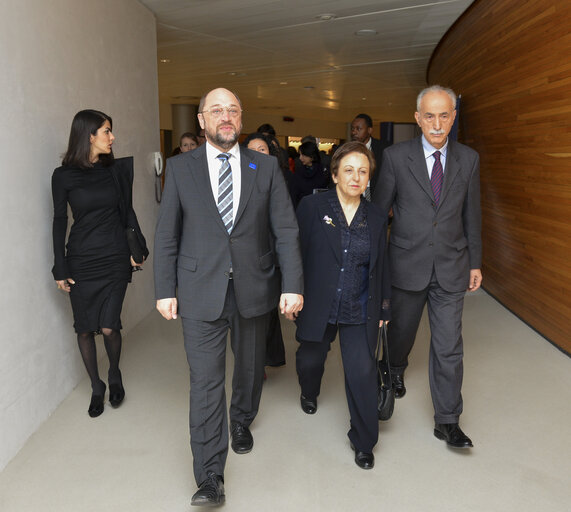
97,304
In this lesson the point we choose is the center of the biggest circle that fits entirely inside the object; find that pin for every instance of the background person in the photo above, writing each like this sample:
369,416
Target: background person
310,176
96,267
188,142
347,290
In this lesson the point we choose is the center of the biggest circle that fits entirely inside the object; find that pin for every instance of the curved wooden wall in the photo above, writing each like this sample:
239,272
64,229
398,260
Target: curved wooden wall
511,62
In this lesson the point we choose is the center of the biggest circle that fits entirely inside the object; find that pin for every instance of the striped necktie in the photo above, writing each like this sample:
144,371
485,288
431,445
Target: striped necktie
436,177
225,203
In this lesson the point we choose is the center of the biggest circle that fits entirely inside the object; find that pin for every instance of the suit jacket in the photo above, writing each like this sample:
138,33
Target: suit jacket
322,258
425,236
377,148
194,252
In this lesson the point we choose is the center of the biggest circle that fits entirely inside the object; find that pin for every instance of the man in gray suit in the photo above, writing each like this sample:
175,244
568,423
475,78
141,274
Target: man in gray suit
435,250
224,209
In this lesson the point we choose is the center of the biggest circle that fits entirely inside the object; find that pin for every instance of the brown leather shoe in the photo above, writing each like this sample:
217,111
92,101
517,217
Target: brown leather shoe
453,435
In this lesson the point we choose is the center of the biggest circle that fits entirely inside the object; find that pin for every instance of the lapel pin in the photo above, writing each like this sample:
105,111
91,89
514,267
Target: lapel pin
253,166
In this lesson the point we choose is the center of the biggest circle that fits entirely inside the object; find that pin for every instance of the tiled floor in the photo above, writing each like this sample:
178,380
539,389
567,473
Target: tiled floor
517,401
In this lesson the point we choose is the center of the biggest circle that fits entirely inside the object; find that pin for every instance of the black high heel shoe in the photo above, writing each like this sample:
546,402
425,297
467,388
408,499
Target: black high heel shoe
116,394
96,404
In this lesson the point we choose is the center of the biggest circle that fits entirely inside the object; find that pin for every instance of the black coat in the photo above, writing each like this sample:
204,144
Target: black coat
321,254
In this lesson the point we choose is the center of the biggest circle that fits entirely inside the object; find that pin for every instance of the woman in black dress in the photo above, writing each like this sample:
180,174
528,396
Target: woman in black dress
96,264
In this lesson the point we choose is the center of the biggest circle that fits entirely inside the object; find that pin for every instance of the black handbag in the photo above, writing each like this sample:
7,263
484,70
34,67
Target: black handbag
385,391
135,247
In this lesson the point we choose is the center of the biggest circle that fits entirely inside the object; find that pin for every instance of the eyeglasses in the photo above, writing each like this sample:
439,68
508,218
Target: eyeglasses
219,111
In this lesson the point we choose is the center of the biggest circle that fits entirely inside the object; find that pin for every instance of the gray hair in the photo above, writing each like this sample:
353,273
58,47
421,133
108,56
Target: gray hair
435,88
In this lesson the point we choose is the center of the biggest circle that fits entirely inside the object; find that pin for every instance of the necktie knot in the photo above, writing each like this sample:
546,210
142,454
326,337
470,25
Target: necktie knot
224,157
436,155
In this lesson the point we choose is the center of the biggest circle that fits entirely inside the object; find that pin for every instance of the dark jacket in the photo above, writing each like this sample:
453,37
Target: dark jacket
321,254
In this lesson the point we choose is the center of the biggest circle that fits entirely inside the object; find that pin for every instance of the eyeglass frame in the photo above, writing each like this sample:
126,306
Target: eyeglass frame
228,110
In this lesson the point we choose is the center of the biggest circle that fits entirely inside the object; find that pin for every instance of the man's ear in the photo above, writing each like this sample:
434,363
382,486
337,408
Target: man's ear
417,117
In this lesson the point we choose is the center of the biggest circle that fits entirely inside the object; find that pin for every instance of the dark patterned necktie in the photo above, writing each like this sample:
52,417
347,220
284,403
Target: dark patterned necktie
225,202
436,177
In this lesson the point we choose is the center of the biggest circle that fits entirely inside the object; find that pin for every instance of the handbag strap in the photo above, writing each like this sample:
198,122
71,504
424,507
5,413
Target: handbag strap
383,344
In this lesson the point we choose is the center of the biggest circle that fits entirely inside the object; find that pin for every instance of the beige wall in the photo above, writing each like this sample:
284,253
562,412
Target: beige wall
61,56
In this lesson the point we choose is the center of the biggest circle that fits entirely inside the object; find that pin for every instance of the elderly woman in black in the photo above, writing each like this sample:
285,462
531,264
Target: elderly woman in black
96,264
347,290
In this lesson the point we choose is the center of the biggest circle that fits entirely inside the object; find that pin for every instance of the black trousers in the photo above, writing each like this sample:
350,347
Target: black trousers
205,345
360,369
446,345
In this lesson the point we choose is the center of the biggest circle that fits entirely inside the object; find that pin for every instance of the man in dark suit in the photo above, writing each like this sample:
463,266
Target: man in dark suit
435,250
362,131
221,210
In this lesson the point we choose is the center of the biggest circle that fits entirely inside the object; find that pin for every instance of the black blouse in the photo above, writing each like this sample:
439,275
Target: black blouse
350,303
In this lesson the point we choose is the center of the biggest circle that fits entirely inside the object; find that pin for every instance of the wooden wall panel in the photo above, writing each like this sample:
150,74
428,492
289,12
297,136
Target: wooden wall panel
511,62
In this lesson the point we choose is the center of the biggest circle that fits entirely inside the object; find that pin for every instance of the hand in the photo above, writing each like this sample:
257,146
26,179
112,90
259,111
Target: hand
290,305
64,284
381,322
135,264
475,279
168,308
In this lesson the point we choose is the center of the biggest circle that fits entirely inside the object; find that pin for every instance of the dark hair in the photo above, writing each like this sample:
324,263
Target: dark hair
311,150
346,149
188,135
309,138
85,123
254,136
366,118
292,152
266,128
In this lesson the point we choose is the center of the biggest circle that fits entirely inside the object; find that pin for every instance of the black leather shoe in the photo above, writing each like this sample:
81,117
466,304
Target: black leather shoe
363,459
96,404
308,405
242,440
453,435
398,384
210,492
116,394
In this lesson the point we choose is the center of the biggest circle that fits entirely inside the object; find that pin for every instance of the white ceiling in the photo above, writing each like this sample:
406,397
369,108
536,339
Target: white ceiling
280,58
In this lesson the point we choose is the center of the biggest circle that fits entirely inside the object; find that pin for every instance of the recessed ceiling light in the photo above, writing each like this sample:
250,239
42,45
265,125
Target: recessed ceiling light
283,83
326,17
366,32
363,99
165,61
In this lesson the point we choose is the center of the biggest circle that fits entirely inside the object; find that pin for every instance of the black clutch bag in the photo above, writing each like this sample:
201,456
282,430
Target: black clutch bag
385,391
135,246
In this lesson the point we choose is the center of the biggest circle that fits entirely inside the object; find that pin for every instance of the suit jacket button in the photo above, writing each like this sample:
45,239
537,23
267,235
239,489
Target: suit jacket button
430,244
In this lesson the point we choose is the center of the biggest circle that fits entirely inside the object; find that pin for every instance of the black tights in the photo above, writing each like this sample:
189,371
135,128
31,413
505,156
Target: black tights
112,340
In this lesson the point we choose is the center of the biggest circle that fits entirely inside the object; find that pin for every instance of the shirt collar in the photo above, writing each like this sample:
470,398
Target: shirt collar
212,152
429,149
368,143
